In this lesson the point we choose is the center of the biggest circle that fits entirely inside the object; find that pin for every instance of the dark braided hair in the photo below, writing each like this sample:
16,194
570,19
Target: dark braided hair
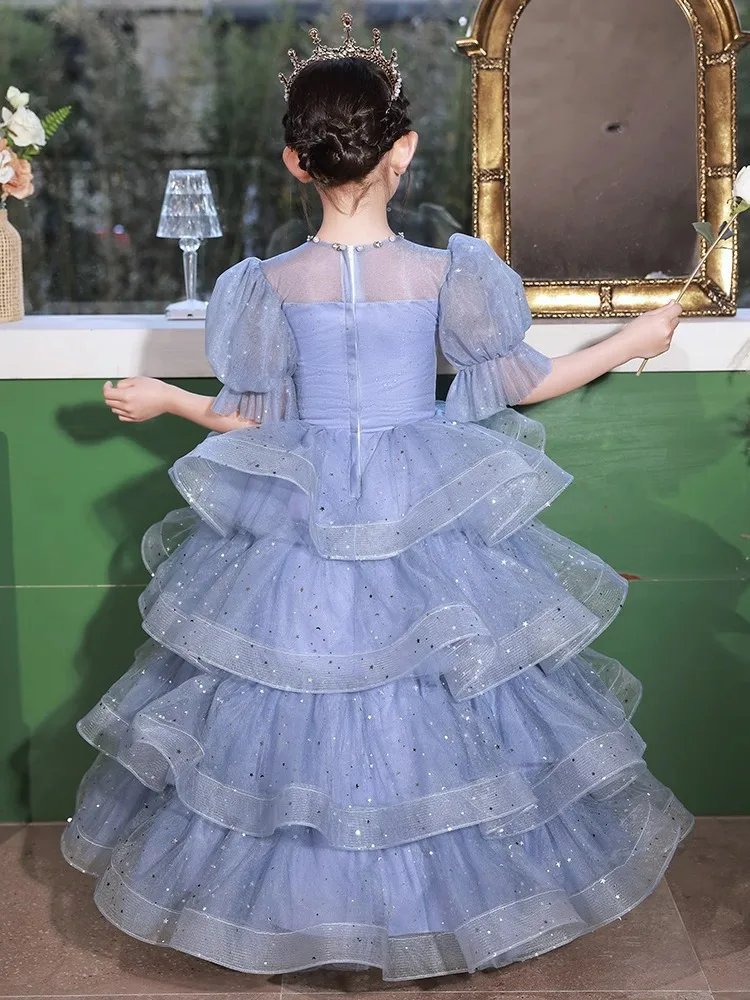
341,120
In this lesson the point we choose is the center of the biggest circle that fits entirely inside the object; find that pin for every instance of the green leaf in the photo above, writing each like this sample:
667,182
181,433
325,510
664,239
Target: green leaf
706,230
52,122
728,234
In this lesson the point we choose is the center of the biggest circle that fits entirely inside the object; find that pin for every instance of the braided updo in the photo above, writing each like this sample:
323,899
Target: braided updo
341,120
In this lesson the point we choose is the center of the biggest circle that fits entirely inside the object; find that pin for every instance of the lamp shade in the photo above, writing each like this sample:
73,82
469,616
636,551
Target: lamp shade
188,209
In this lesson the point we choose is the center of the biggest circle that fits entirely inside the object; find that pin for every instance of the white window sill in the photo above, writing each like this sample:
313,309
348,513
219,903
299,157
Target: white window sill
73,347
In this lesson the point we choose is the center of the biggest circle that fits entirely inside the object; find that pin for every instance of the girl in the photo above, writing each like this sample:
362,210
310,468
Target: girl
367,728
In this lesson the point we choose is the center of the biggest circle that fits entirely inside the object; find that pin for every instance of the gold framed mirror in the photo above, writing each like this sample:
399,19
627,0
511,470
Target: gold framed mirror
602,129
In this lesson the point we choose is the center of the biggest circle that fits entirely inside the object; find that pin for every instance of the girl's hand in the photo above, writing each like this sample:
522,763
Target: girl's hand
135,399
645,337
651,334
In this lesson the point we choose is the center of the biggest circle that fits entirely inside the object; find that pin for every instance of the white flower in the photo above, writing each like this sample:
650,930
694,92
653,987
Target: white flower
24,127
6,170
16,98
742,184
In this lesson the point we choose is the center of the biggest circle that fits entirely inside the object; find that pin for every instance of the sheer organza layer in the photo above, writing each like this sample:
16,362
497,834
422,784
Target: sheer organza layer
483,317
482,389
250,347
455,902
368,730
417,479
273,611
382,767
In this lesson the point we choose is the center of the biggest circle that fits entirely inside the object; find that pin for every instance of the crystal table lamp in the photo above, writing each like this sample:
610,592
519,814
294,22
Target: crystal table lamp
188,214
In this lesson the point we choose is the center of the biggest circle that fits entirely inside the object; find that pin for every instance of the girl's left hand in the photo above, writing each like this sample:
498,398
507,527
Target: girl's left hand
135,399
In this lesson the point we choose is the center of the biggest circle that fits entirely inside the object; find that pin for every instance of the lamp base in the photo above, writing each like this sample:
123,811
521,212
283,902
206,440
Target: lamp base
187,309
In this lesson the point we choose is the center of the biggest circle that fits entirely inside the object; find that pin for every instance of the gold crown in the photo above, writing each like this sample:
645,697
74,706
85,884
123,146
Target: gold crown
349,50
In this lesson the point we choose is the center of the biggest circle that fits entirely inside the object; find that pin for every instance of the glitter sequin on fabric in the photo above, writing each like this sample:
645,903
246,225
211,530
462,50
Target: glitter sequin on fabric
367,727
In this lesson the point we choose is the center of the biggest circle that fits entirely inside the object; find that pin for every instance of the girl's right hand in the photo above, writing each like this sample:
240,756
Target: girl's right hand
651,334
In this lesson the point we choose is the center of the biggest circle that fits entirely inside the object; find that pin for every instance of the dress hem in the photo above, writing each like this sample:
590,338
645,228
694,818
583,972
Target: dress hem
413,956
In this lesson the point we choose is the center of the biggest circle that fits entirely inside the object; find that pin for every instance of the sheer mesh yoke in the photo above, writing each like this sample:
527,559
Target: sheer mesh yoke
396,271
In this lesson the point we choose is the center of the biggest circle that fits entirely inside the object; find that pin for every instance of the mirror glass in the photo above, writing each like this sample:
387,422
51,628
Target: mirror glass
603,139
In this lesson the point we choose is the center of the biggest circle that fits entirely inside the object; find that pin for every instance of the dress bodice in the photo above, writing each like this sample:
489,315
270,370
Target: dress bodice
365,332
371,364
344,338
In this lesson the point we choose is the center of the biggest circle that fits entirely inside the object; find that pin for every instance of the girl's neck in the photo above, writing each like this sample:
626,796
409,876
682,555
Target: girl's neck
368,223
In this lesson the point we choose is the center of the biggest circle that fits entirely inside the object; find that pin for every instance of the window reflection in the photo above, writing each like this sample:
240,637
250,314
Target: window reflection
168,85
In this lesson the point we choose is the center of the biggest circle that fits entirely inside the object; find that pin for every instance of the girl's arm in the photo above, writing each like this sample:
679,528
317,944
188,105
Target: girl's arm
136,399
133,400
645,337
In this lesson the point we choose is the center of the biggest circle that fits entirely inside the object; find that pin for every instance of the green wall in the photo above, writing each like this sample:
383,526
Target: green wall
662,492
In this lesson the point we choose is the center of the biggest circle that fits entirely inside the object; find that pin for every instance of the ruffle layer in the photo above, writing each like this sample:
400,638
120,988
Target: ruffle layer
287,480
416,763
280,402
451,903
274,612
486,387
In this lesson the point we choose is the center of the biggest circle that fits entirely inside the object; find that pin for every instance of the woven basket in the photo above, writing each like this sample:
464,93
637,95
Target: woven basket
11,271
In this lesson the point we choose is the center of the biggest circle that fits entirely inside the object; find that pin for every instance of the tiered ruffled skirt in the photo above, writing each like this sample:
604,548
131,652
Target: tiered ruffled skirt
367,728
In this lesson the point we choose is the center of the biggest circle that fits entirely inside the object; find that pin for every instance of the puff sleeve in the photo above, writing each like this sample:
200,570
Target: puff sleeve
483,317
250,347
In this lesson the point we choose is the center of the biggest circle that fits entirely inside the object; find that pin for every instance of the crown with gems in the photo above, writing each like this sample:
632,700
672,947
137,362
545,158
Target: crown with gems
349,50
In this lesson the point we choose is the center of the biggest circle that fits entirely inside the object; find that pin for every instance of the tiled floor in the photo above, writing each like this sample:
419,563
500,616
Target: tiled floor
689,940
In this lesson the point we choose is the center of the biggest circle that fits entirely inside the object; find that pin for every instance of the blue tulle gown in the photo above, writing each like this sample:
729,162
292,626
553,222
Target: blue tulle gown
367,728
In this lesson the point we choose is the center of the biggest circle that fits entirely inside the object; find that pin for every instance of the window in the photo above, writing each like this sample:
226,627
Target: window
190,83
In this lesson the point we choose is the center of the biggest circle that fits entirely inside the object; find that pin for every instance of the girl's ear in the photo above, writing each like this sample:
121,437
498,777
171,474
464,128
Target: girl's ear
402,152
291,162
